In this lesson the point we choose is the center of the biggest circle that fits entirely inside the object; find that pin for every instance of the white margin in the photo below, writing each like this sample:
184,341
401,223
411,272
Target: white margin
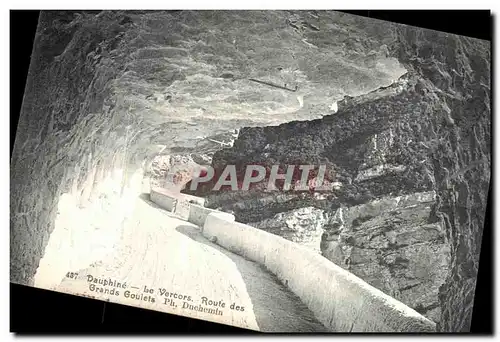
196,4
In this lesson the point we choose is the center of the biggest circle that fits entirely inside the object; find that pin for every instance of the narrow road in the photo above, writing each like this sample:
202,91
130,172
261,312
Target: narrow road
179,266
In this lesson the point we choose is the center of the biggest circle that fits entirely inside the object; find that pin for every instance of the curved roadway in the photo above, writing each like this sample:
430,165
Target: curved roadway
167,254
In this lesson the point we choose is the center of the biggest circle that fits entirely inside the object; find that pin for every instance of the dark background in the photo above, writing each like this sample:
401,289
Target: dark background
41,311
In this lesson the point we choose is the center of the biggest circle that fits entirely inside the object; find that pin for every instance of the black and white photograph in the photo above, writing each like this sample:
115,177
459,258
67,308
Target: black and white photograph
280,171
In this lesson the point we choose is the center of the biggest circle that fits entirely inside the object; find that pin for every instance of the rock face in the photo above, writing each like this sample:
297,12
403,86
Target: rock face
421,146
391,244
304,226
171,171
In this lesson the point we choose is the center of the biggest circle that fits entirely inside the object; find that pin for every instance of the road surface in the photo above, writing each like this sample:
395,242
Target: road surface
169,257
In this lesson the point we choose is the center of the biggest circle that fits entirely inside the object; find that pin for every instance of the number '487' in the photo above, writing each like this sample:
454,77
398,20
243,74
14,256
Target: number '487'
71,275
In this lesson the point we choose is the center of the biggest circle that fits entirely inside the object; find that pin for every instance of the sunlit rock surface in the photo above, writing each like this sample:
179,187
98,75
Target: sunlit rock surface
304,226
394,110
171,171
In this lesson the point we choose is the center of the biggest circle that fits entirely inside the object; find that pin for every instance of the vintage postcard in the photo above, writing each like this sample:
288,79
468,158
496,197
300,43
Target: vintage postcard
279,171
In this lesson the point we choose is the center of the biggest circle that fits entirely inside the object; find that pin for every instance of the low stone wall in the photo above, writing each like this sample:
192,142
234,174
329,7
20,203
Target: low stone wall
166,202
339,299
198,215
187,207
170,200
